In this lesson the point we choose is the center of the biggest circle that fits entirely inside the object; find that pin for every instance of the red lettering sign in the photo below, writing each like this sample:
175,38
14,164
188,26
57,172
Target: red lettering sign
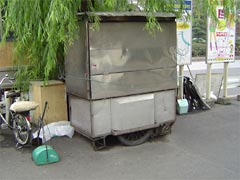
221,33
220,13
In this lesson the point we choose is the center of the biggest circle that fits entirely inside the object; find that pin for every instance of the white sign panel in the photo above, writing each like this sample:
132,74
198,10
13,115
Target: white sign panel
184,36
221,38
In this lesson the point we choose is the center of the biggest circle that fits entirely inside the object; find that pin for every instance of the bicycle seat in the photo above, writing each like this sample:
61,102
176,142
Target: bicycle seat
13,94
22,106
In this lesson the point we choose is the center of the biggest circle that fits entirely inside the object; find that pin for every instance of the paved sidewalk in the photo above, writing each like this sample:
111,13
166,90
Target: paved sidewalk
204,145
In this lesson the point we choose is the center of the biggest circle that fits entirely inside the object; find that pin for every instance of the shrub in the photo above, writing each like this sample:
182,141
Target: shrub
198,49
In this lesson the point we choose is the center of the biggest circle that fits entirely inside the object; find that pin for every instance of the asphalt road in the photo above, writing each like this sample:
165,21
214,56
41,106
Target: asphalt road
203,145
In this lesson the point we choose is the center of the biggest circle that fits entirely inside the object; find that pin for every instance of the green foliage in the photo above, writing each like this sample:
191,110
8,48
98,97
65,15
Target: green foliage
199,24
199,49
43,29
237,50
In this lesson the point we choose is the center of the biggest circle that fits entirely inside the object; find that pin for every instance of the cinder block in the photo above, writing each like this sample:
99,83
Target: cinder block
238,97
224,100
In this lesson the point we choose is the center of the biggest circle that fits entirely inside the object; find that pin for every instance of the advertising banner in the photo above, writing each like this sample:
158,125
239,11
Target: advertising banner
221,37
184,35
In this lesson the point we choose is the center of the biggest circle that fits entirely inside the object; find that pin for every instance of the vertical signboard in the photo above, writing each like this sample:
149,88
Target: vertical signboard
184,35
221,37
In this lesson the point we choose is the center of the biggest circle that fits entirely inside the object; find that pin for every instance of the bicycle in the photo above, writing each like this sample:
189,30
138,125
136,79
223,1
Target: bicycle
15,114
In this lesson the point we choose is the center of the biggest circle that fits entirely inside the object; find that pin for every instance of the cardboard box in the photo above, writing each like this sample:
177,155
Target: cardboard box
6,55
54,93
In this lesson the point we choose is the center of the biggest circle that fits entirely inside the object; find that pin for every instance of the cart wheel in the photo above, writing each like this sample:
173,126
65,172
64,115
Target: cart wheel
135,138
165,129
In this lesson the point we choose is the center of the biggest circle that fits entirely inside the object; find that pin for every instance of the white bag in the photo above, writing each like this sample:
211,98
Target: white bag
61,128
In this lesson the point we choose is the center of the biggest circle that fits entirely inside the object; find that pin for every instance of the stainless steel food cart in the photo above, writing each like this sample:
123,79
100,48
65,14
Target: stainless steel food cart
120,80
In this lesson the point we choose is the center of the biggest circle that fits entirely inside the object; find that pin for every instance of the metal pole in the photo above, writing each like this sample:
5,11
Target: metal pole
7,106
208,80
181,69
225,80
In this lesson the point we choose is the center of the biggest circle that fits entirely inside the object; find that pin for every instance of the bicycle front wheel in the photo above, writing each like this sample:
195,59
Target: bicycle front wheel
21,129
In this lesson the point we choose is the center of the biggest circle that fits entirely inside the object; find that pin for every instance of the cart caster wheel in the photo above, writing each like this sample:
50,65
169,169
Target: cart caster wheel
135,138
165,129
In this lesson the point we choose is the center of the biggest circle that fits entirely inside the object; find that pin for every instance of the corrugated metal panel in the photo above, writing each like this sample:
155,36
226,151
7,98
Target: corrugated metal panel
80,115
122,60
131,35
77,65
117,49
101,117
132,112
130,83
121,47
97,118
165,106
92,118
